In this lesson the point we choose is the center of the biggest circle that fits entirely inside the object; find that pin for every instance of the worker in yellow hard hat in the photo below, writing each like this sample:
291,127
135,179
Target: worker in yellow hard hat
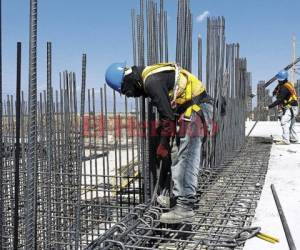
182,99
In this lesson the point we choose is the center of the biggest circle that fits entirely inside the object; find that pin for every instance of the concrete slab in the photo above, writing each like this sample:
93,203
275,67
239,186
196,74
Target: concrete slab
284,173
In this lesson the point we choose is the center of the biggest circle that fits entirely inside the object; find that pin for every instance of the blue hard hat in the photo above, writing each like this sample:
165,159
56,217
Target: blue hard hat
114,75
282,75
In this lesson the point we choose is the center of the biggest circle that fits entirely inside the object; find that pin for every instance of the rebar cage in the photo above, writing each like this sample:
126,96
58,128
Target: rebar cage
79,166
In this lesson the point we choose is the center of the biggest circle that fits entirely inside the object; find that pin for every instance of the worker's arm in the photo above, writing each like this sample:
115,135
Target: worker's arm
157,89
282,95
275,91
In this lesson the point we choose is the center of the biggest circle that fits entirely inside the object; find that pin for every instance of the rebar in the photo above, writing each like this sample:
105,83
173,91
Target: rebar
31,183
80,151
87,173
184,35
284,223
227,205
49,136
1,140
17,147
200,57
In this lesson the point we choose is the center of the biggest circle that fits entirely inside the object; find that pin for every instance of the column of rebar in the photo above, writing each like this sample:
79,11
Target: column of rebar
217,88
157,51
184,34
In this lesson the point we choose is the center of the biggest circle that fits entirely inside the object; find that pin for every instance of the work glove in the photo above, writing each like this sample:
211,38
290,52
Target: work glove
162,151
166,131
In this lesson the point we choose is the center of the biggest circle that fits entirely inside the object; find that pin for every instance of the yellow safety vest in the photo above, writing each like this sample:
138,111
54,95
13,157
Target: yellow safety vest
293,97
186,92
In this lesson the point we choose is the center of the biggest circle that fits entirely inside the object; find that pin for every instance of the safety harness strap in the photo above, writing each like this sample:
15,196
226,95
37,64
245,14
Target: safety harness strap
197,100
186,98
156,68
293,97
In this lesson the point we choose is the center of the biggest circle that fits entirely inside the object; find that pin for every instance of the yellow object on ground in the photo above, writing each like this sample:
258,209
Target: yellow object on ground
267,237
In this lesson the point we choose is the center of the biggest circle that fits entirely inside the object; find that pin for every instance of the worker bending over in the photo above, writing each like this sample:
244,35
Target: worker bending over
286,99
180,99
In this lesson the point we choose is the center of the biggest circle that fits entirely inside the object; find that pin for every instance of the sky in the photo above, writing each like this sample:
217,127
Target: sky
102,30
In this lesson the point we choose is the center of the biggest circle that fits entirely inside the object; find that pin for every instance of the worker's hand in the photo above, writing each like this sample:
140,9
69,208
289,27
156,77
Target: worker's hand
162,151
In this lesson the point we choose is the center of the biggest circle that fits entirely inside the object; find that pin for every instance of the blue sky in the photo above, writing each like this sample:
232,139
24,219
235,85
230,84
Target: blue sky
102,29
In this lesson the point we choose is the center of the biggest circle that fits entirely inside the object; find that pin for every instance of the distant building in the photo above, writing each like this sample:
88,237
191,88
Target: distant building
249,93
263,100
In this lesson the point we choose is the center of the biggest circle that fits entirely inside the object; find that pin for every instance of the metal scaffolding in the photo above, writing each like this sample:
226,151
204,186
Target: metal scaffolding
79,169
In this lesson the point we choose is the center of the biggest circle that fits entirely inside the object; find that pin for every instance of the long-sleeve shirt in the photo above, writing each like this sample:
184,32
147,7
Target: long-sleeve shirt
157,87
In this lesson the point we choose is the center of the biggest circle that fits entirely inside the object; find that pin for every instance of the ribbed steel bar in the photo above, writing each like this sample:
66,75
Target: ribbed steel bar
1,139
31,182
161,31
200,57
166,36
80,151
109,198
49,128
96,196
17,147
284,223
143,140
153,57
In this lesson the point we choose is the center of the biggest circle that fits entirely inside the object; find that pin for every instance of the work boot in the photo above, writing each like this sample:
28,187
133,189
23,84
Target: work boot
282,142
163,200
178,215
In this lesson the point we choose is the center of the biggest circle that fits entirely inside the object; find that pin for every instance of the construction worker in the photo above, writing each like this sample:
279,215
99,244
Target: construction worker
286,99
172,90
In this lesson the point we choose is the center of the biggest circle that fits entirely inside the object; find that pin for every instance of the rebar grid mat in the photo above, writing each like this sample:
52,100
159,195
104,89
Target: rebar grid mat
227,195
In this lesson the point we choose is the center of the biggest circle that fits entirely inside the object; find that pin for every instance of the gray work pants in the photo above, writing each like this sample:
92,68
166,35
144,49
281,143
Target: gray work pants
288,124
186,158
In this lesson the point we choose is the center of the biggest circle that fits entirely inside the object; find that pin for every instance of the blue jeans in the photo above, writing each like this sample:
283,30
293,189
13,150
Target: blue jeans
186,158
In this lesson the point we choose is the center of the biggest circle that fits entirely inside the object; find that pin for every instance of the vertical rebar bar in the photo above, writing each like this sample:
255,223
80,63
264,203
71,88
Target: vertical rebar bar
49,127
81,153
200,57
17,148
31,189
1,140
166,37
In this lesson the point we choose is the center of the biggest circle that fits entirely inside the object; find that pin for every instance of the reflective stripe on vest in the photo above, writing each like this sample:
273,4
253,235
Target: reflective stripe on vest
193,87
293,93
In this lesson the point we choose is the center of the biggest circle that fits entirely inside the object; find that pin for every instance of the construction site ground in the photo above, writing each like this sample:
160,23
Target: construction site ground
284,173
